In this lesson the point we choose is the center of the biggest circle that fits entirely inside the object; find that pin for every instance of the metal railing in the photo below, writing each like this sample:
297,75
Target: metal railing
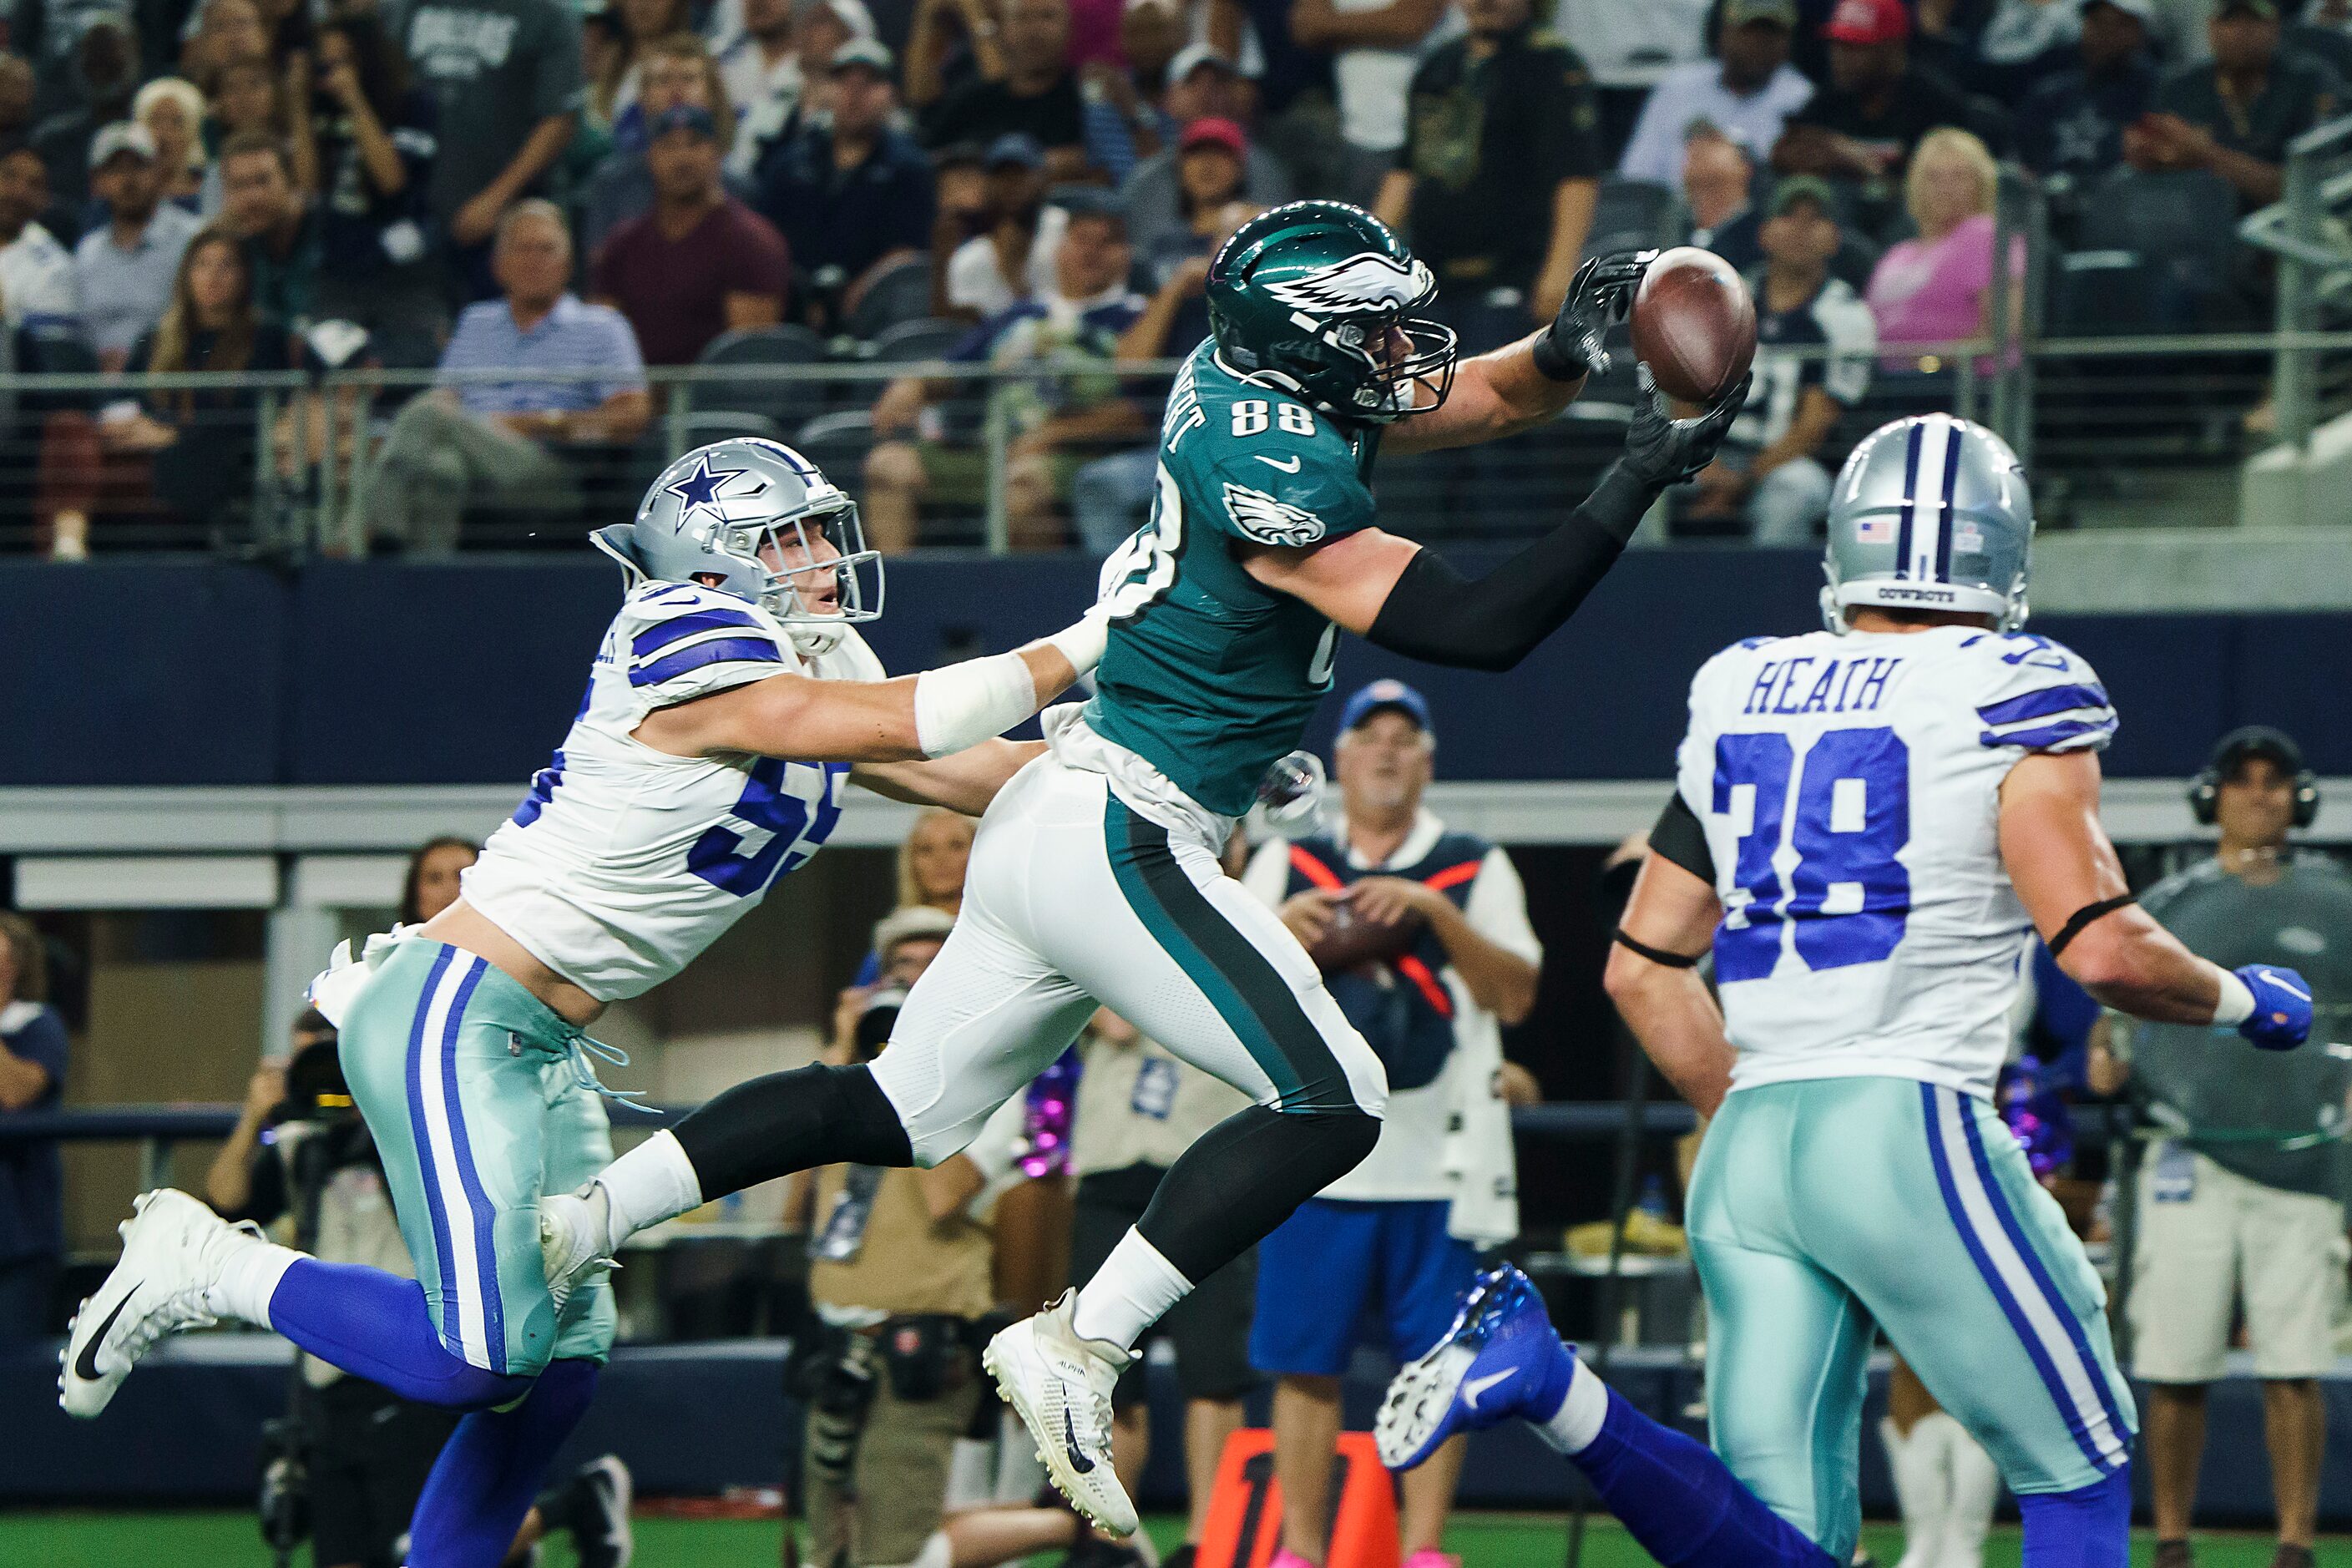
2309,231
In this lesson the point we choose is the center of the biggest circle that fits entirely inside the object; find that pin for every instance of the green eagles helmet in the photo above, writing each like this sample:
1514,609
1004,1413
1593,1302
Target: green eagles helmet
1312,297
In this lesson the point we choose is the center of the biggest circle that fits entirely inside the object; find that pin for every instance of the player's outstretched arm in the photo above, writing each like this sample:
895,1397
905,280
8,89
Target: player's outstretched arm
2065,872
1407,599
965,782
933,714
1653,976
1520,385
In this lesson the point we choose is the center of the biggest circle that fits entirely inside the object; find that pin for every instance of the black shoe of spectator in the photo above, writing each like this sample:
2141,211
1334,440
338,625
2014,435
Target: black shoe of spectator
2172,1554
593,1505
2292,1557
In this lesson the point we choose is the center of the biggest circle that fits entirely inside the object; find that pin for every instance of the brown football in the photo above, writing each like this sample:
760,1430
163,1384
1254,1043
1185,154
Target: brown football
1352,941
1694,325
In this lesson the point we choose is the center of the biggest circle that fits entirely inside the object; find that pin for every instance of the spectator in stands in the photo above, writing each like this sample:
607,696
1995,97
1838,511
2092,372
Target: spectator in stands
2234,115
852,196
1375,45
1404,1227
506,79
32,1180
1860,130
262,205
678,72
374,146
1212,160
988,273
960,212
1125,124
17,94
104,77
123,268
768,68
431,883
225,31
1299,118
1064,418
1499,173
2241,1213
1202,85
699,264
2325,33
643,23
1036,95
246,100
1747,92
182,452
2072,124
1718,179
1768,472
1937,288
2003,49
510,440
1139,1108
173,110
950,42
36,273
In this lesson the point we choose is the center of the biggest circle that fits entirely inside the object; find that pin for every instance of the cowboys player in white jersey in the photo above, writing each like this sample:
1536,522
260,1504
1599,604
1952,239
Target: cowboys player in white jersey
730,698
1871,824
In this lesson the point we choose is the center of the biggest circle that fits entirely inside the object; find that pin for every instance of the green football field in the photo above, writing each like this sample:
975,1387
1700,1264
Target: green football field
193,1540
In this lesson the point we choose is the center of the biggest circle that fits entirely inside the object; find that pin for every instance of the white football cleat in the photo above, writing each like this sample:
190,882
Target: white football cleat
174,1249
574,1250
1060,1385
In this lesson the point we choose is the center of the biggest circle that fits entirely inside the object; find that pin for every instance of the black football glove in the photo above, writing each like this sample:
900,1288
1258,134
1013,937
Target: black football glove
1597,301
1661,451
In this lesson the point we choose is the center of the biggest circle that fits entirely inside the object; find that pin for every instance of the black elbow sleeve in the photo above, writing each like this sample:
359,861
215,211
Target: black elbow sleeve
1434,613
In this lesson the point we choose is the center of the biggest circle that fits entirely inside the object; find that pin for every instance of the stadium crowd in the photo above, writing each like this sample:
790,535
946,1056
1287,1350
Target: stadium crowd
583,188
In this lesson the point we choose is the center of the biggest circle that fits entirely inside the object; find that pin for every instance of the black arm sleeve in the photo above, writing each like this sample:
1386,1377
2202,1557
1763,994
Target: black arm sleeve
1435,613
1679,838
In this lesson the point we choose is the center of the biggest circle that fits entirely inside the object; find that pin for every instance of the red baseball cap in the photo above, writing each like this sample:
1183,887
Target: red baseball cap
1213,129
1868,22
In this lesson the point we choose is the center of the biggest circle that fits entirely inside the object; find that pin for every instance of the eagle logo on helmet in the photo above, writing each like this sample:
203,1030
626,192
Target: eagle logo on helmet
1270,521
1365,283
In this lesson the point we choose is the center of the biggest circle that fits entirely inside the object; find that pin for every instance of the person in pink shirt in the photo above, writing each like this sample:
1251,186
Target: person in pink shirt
1937,288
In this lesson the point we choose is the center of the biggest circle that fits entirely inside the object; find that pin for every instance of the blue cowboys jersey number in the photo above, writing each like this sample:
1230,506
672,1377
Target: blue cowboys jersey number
1850,787
623,863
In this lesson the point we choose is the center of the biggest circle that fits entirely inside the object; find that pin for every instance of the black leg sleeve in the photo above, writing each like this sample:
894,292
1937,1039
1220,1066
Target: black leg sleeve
1244,1175
786,1121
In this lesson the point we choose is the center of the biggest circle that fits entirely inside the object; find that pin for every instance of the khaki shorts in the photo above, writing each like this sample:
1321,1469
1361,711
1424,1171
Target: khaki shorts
958,476
899,1480
2216,1240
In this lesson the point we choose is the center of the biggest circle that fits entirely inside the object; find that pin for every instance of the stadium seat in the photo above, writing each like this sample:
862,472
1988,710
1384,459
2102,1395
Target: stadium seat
787,402
2183,227
901,293
909,342
1631,215
837,442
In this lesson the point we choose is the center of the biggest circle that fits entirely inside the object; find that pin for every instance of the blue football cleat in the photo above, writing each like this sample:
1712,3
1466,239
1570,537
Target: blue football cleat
1500,1359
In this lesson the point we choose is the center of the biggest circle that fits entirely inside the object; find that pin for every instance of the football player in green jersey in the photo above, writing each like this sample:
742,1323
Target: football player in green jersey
1095,877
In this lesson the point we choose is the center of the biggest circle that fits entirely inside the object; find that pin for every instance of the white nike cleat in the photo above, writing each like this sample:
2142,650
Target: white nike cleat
574,1248
174,1250
1060,1385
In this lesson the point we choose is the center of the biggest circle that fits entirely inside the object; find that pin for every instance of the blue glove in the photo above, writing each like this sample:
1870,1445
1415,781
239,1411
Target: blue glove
2281,1017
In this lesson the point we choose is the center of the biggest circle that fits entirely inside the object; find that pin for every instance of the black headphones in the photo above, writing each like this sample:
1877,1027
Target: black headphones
2254,741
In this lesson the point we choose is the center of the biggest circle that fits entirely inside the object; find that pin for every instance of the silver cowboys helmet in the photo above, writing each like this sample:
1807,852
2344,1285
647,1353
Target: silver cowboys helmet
714,514
1930,513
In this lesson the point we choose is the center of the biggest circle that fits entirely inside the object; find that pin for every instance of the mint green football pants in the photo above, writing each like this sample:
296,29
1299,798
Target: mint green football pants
1823,1208
470,1085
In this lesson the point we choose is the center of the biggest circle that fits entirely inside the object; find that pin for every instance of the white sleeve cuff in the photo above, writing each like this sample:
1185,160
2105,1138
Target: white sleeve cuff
2237,1003
964,704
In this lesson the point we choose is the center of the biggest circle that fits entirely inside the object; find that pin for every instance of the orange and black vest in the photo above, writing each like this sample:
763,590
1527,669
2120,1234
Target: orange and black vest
1400,1006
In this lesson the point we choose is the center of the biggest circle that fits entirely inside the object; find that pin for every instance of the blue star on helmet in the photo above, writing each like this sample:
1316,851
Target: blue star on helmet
700,489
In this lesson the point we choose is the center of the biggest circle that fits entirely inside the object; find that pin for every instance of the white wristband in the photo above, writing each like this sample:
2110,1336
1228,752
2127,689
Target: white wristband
2237,1003
965,704
1083,641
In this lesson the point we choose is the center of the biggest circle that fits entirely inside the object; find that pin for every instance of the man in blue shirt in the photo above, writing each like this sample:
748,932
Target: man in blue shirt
853,197
32,1077
471,437
2073,123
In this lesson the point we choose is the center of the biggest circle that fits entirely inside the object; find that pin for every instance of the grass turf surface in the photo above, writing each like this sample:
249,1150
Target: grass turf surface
203,1539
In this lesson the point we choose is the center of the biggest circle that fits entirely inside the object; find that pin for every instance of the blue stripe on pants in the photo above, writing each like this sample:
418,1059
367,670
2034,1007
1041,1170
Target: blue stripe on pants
486,1256
419,1130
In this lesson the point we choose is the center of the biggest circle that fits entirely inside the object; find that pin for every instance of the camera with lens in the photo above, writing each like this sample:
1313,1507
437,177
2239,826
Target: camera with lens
875,1023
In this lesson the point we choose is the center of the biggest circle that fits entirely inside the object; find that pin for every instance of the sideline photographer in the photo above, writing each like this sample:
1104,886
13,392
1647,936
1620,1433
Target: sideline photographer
349,1461
2241,1210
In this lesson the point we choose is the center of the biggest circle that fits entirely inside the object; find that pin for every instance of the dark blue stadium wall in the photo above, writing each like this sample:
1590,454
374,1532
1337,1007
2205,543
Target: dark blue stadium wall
189,672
